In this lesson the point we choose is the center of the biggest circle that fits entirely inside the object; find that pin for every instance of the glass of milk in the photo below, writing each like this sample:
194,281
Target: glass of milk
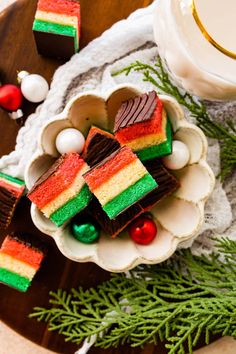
197,41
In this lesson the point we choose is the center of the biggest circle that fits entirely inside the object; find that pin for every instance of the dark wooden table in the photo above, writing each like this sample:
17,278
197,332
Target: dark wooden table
17,52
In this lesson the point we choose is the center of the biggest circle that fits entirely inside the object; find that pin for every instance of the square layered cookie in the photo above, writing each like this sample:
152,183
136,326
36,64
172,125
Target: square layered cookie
119,181
56,28
142,124
19,262
61,192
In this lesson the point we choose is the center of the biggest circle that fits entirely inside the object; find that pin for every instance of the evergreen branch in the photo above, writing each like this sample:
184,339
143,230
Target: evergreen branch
225,133
178,301
226,246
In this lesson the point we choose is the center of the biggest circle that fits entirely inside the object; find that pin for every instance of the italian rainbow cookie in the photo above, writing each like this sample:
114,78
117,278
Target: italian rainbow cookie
142,124
167,185
61,192
11,190
19,262
99,144
57,27
119,181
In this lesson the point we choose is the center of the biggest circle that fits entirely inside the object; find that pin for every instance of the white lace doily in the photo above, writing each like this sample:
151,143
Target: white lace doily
125,42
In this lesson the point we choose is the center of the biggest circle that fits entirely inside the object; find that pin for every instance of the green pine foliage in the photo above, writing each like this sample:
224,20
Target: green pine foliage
178,301
225,133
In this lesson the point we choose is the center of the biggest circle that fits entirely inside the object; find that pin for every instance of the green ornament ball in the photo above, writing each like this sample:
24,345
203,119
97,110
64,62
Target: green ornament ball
86,233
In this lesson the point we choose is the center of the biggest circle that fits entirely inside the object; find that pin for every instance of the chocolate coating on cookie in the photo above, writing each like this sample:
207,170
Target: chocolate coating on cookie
136,110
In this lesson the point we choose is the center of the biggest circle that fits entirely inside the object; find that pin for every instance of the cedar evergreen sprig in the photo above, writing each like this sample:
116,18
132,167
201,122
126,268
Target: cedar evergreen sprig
178,301
225,133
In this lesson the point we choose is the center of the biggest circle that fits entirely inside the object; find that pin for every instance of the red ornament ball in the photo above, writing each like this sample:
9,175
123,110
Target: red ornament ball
143,230
10,97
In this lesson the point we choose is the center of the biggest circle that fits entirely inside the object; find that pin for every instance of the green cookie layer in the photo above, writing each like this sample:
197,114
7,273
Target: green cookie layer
72,207
14,280
12,179
55,28
160,150
130,196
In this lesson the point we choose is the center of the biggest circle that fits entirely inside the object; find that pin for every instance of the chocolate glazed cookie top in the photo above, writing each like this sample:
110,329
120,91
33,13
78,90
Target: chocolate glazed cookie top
136,110
99,148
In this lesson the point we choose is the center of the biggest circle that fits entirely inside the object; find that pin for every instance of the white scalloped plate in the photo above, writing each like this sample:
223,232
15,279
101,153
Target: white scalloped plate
179,217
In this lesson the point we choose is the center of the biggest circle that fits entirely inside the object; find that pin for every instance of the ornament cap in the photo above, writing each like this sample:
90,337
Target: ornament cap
21,75
16,115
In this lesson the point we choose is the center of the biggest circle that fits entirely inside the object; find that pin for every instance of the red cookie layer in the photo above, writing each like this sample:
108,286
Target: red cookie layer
152,126
17,191
22,252
60,180
101,173
65,7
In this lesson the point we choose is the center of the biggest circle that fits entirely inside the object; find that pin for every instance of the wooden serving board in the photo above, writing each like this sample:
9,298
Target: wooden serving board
17,52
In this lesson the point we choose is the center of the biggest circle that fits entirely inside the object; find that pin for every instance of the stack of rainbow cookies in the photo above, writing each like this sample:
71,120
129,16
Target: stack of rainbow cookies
61,192
57,28
118,176
142,124
19,262
11,190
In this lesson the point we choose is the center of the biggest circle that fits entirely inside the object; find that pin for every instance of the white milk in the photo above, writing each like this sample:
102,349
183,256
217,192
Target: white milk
194,61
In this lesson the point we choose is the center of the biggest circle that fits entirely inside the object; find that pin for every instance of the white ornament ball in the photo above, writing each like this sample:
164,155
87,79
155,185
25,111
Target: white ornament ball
179,157
70,140
33,87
